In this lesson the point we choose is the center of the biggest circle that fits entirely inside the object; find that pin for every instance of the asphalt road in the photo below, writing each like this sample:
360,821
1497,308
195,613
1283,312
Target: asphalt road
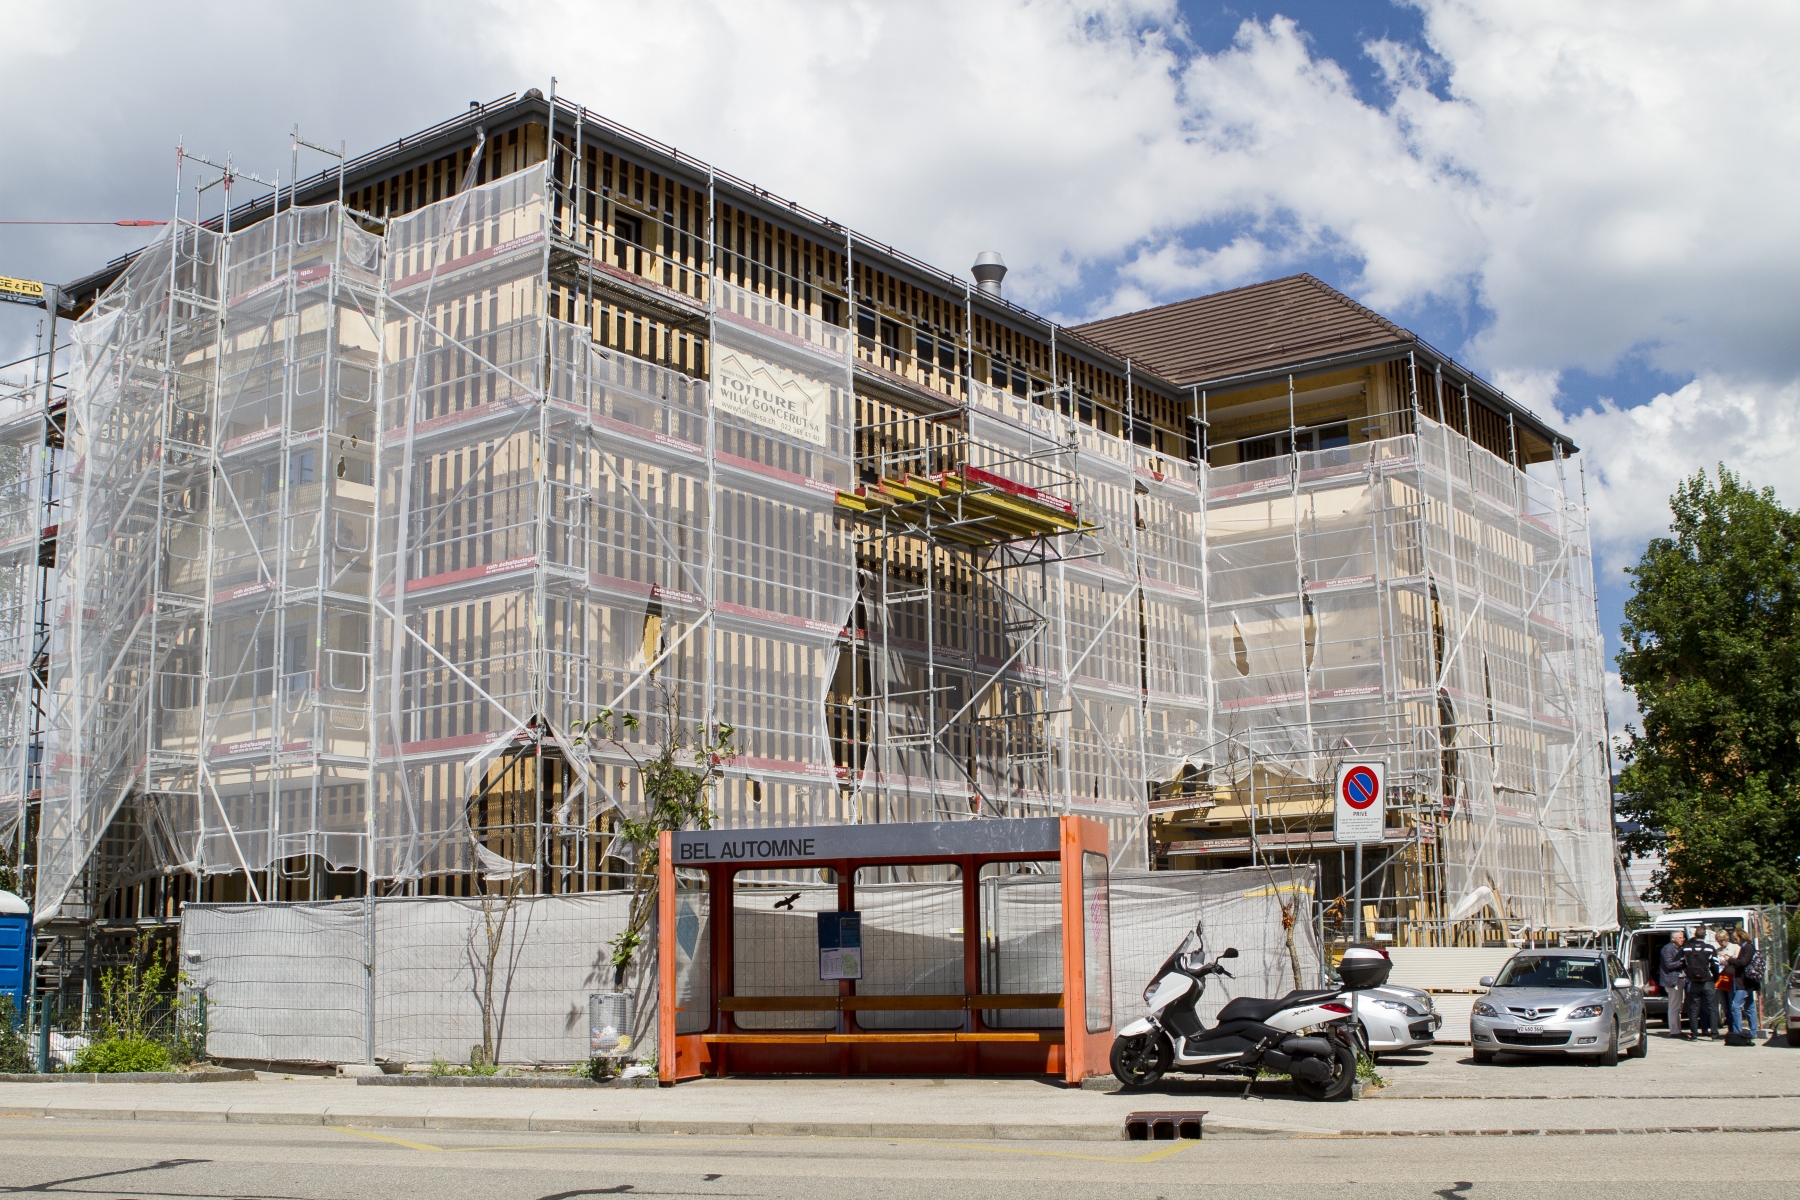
144,1160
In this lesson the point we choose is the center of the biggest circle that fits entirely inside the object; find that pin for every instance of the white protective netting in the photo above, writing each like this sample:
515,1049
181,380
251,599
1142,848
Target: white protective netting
1416,600
21,512
356,527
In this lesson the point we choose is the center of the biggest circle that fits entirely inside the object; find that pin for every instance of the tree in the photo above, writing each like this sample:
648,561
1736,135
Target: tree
496,911
677,788
1712,649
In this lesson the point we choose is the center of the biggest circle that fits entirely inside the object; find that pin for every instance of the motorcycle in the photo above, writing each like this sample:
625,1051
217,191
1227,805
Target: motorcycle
1250,1035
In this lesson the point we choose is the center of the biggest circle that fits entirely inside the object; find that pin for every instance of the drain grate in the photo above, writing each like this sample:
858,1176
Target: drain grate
1163,1126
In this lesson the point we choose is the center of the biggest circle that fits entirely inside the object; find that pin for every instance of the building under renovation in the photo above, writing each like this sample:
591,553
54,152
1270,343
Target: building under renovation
356,499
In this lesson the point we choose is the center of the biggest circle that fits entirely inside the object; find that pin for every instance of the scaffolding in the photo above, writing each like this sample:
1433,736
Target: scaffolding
1032,618
363,514
22,475
1416,600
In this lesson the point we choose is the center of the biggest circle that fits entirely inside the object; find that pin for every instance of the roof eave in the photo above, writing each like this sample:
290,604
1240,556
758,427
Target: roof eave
1491,395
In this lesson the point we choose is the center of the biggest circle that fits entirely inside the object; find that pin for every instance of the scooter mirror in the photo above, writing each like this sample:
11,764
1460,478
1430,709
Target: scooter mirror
1230,952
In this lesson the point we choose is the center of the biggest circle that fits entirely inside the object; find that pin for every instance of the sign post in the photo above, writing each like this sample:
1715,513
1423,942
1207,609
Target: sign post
1359,816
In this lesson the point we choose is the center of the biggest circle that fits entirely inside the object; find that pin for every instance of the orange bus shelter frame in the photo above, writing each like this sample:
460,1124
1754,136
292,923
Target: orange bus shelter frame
1079,1049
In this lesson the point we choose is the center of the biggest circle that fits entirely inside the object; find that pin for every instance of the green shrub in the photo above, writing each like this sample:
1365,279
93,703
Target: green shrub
119,1054
13,1057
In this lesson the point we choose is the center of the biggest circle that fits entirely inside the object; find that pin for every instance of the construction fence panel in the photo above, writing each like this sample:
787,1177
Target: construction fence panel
283,982
289,982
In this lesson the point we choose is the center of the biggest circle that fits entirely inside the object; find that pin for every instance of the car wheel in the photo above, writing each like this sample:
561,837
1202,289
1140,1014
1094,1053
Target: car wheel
1609,1057
1482,1057
1793,1037
1642,1047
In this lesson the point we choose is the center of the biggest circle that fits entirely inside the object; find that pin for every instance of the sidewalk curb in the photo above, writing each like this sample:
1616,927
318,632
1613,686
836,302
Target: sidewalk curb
135,1077
981,1132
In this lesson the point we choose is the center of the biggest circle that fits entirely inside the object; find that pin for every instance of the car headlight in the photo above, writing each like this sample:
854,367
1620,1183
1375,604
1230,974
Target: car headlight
1395,1005
1484,1009
1586,1011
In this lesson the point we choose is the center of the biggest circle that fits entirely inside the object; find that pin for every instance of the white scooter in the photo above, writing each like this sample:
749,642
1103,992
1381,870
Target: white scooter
1250,1035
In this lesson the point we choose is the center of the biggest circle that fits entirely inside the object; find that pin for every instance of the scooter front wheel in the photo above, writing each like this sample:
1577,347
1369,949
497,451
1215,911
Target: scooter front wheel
1140,1061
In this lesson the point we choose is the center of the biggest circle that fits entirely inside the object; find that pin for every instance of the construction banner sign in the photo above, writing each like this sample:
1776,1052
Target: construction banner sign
21,291
782,399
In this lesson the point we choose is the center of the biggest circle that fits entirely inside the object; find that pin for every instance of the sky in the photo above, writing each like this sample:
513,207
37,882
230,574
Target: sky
1590,204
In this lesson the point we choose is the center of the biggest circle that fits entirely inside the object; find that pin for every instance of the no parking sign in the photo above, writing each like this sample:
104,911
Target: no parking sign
1360,816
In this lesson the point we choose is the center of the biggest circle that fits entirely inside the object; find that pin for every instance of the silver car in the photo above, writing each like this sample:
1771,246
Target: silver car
1397,1018
1569,1002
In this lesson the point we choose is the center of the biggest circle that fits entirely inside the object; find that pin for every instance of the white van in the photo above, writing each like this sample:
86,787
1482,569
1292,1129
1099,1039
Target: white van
1641,948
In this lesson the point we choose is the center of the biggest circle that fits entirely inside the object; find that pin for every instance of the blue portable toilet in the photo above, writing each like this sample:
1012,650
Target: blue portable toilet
15,949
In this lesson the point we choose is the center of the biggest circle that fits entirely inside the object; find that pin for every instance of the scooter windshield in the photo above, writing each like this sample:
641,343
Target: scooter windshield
1192,944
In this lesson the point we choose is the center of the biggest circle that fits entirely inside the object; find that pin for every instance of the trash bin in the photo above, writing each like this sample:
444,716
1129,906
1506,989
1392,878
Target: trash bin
610,1016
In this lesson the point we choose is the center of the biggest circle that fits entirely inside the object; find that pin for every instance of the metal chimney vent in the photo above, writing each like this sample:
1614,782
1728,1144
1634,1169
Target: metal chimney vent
989,270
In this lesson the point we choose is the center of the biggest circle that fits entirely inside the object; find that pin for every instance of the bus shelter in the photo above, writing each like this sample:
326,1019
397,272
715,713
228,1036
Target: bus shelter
978,947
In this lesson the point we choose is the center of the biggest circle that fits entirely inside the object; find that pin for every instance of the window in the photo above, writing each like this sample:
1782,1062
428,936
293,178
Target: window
1257,449
346,670
1328,437
828,310
1096,941
1553,971
302,468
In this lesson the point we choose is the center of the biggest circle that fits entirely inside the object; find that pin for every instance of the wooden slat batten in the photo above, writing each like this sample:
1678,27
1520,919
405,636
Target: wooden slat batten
889,1003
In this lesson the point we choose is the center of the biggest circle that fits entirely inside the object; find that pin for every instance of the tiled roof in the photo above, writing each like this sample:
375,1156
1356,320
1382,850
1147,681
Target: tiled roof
1248,329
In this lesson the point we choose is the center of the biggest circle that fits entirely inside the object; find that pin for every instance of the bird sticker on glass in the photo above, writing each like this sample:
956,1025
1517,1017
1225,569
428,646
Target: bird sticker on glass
840,945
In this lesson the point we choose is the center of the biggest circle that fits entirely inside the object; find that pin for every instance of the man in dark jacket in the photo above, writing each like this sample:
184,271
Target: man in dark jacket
1702,968
1672,975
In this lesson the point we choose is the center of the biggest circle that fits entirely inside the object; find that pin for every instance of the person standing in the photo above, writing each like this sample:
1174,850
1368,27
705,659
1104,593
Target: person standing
1697,961
1746,981
1726,956
1672,975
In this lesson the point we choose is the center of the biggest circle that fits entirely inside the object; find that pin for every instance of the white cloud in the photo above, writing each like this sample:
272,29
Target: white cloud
1621,711
1635,173
1635,457
1597,178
